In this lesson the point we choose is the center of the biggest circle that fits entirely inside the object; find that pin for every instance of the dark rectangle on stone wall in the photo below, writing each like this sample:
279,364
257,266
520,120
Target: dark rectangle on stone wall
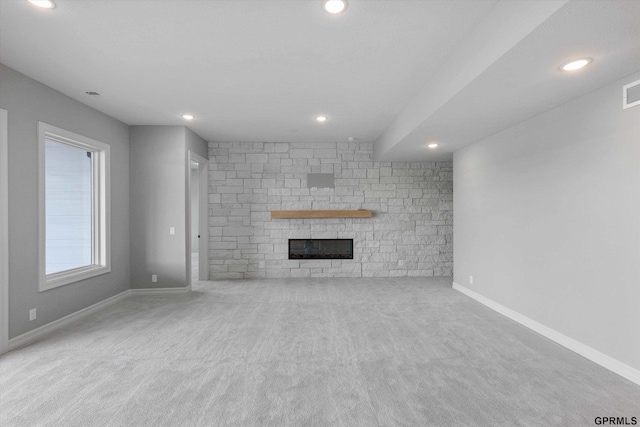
320,248
320,180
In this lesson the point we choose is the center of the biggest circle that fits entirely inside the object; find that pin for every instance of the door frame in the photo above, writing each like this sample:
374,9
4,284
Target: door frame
4,232
203,204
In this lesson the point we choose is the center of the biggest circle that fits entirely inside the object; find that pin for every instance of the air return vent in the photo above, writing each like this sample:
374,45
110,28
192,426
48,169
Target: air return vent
631,95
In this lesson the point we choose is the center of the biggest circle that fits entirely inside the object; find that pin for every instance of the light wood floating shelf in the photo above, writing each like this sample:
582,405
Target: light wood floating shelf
321,214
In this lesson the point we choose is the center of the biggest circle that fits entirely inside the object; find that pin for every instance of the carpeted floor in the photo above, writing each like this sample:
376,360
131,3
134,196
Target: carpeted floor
306,352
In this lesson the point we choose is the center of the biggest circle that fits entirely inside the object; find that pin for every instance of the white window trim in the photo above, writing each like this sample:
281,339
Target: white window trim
4,233
101,208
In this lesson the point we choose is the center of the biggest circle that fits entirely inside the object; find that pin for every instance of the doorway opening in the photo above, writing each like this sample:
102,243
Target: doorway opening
197,237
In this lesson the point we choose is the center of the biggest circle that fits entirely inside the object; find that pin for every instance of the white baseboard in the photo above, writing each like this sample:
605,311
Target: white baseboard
42,331
38,333
160,291
583,350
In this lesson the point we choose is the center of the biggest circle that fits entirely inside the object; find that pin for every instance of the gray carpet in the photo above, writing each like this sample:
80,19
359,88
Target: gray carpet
309,352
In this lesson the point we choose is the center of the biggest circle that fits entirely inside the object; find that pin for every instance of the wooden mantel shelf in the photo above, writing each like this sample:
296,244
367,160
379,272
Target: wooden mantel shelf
321,214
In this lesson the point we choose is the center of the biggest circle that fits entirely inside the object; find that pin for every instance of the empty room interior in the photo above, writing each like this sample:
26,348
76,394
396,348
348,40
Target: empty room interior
319,213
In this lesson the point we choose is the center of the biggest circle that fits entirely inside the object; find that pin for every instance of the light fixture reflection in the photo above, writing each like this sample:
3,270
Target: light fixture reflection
45,4
334,6
576,64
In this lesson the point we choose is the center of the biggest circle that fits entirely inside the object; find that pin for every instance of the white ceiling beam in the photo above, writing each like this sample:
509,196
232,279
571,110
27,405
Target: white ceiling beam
506,25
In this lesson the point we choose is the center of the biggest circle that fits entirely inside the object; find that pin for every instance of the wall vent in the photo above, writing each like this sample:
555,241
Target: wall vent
631,95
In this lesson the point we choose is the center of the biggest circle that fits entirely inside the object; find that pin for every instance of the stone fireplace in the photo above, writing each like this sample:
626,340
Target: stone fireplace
410,233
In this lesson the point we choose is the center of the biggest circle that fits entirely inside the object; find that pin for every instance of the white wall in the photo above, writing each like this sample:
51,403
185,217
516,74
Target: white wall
27,102
547,220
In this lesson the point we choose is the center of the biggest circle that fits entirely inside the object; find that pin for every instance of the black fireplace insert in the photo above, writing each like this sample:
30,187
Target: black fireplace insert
320,248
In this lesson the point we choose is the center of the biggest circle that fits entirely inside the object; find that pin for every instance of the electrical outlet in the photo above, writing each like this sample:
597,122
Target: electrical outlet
32,314
172,230
471,280
154,277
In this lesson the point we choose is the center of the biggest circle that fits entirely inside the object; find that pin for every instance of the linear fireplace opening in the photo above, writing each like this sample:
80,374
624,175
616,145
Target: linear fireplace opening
320,248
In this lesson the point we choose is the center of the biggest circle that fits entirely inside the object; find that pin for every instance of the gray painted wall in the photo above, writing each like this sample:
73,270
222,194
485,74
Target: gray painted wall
409,235
159,170
157,203
27,102
196,144
547,220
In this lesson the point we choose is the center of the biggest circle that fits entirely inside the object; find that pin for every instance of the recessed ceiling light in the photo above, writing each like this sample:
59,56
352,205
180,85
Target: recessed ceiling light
433,145
334,6
322,119
45,4
575,64
188,116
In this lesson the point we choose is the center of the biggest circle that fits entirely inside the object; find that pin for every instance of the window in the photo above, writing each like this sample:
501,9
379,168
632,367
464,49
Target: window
74,207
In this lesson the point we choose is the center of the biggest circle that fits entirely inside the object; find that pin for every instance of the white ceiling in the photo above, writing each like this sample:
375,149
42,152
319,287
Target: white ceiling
396,72
525,80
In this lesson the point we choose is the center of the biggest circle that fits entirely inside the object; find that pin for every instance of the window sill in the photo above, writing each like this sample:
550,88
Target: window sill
71,276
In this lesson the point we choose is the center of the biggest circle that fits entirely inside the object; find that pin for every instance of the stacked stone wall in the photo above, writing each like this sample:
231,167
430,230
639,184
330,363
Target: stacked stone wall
410,234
